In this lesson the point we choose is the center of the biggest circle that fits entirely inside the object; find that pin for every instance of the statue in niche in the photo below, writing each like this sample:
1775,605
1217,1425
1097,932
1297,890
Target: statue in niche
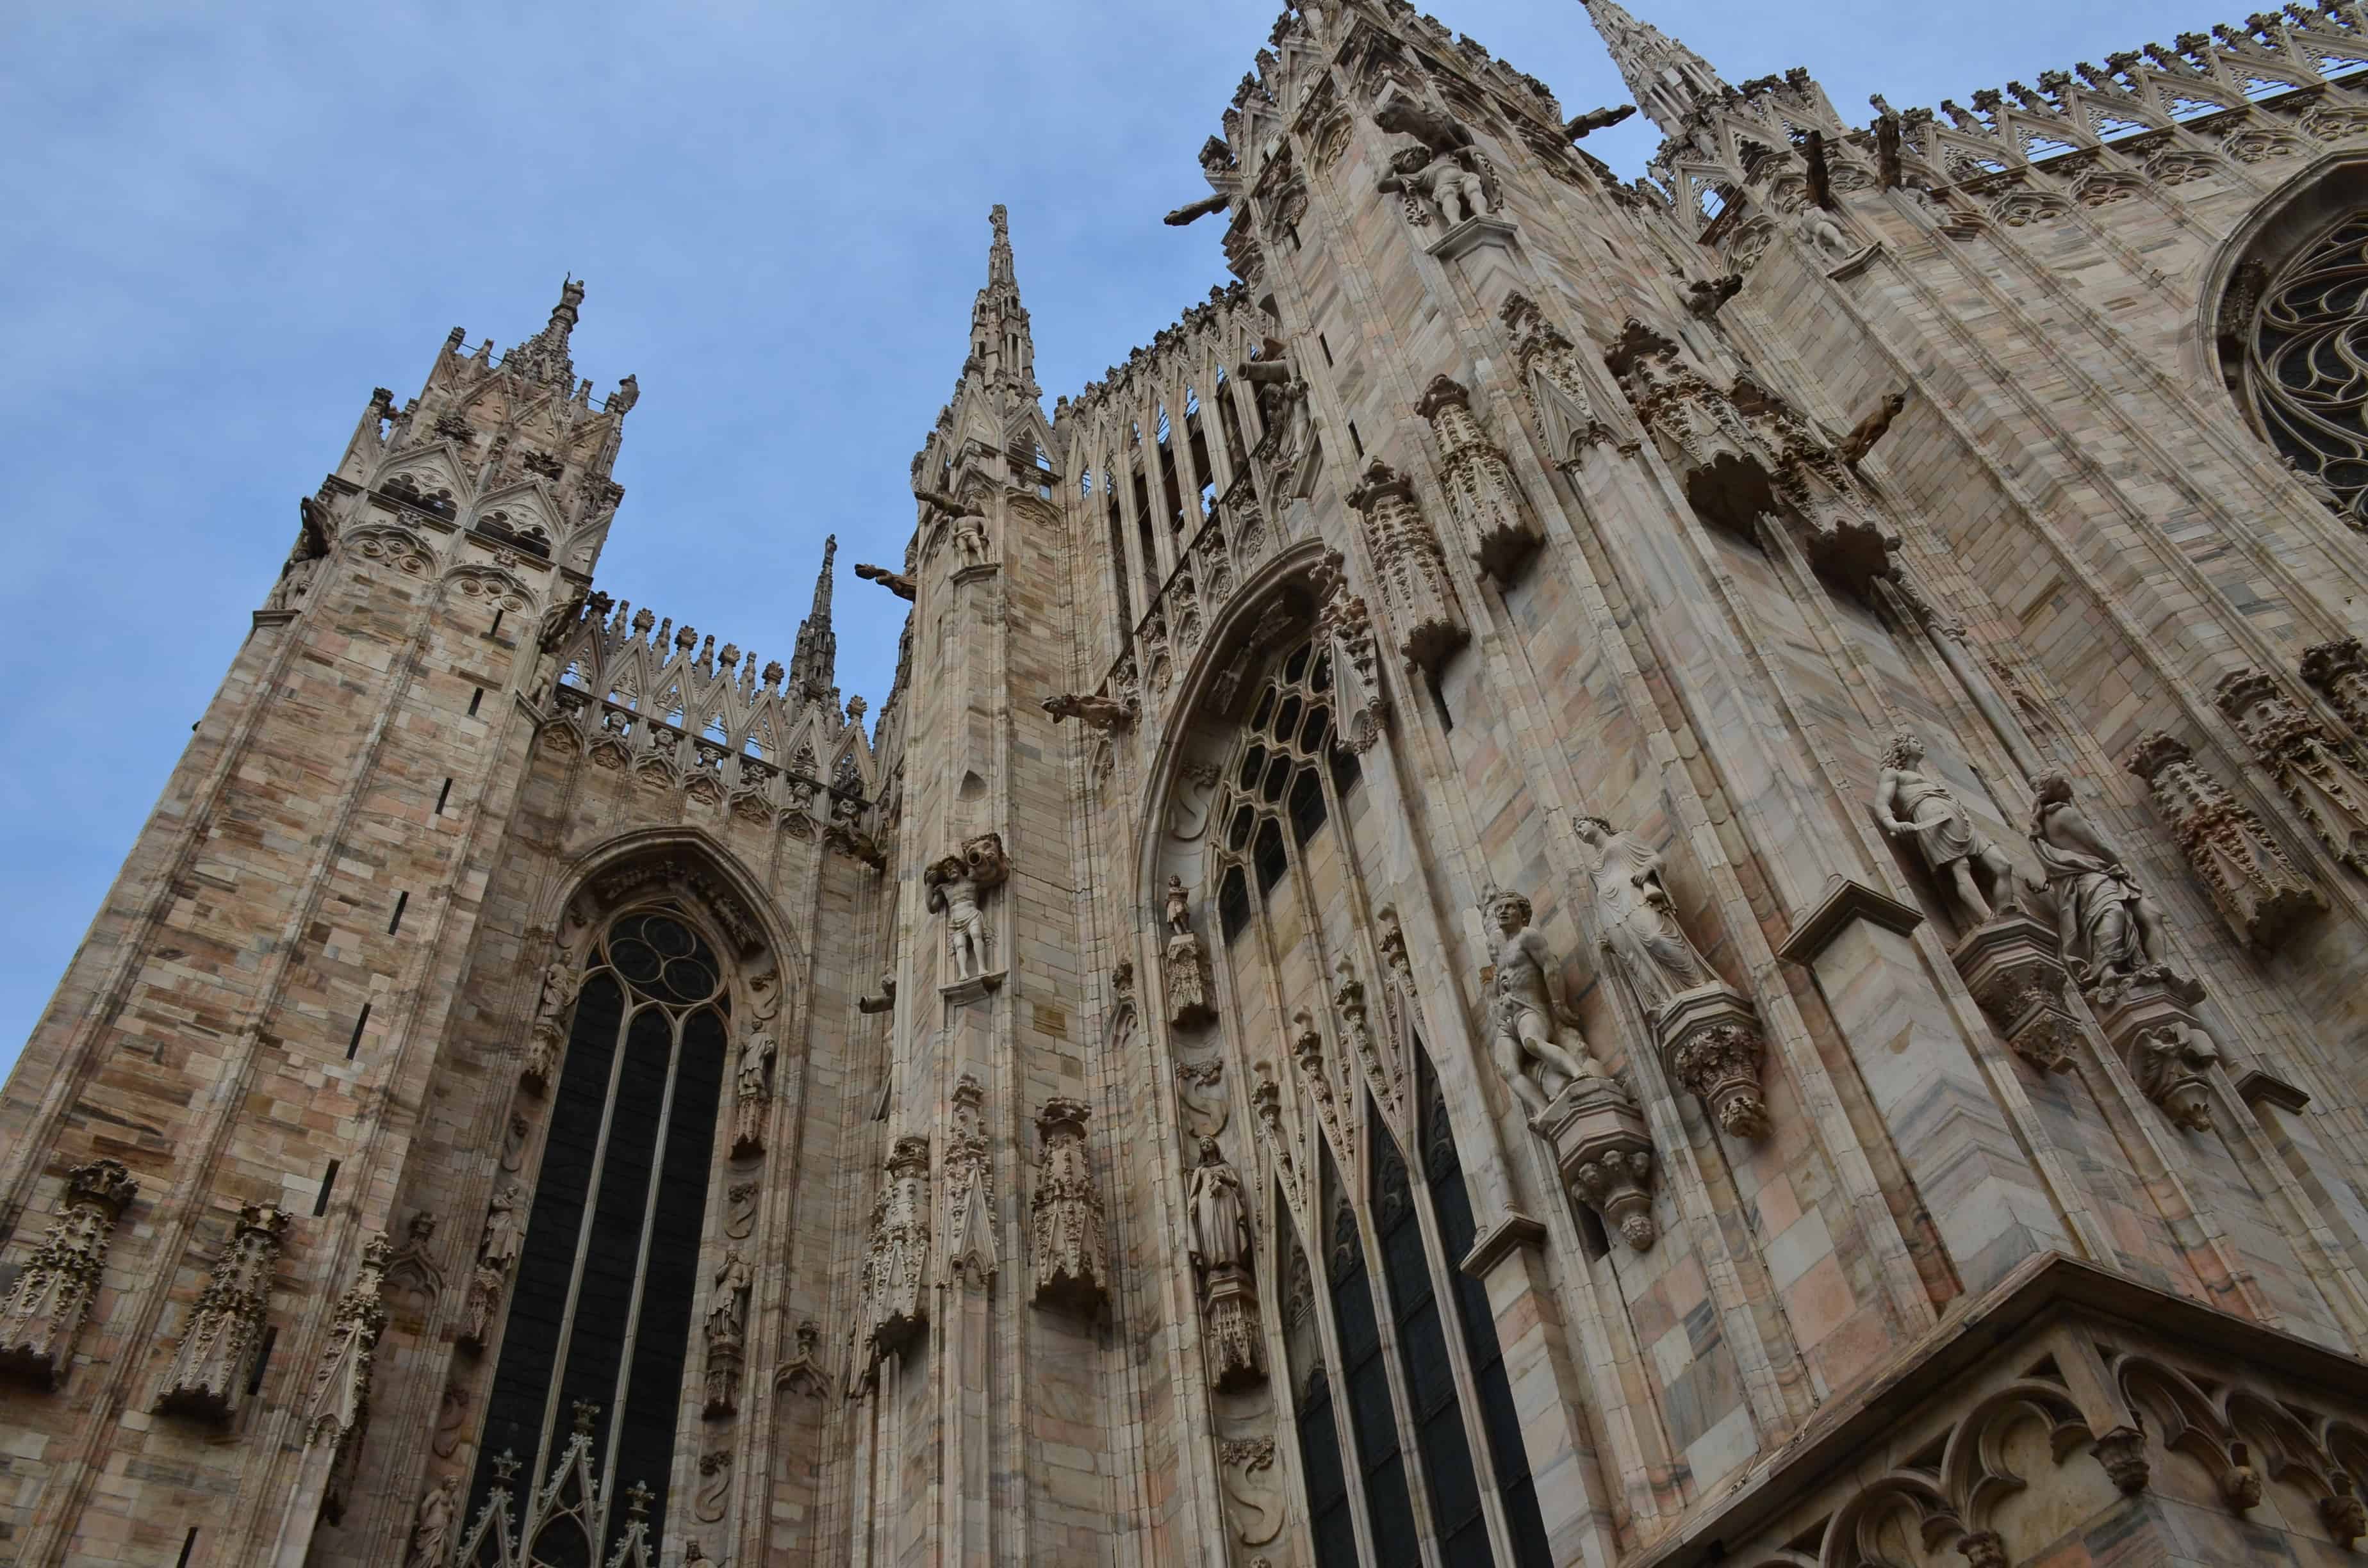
559,987
1523,1015
1911,805
1179,907
1638,924
965,924
1221,1221
504,1225
2107,924
431,1536
969,538
1442,180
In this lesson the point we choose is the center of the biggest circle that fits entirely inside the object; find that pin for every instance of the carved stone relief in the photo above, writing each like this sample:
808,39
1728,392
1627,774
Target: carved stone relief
892,1298
1914,807
338,1413
958,884
1533,1040
1501,532
2316,775
1221,1251
207,1377
46,1307
2256,887
1185,963
1070,1248
1406,553
726,1332
972,1255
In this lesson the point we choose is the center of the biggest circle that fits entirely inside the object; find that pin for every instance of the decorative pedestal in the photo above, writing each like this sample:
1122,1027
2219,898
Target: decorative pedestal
1232,1330
2012,966
1711,1044
1604,1154
977,988
1469,235
2147,1016
1187,968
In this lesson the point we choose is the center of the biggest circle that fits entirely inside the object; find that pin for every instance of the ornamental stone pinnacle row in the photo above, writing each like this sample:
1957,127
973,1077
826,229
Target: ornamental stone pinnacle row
2320,777
2256,888
224,1328
1429,624
1479,483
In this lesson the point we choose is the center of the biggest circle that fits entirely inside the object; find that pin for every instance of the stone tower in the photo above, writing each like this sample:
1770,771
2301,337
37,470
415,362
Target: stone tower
1651,873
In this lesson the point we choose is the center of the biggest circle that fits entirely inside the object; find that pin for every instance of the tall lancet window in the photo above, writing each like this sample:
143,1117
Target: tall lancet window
1403,1412
600,1313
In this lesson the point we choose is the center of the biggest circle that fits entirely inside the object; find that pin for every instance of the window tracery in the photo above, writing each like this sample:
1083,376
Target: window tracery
2307,362
606,1328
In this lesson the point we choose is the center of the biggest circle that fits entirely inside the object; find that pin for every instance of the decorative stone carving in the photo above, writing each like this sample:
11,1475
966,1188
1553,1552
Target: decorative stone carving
1555,384
2315,773
2147,1014
1307,1053
1635,919
1479,483
2105,922
891,1303
207,1377
972,1255
432,1530
548,1041
2338,672
1414,573
2013,967
1605,1154
970,543
1103,714
1347,626
1912,805
46,1307
1710,1045
1677,402
1070,1250
2256,888
1447,185
727,1336
1532,1039
803,1372
1387,1080
1221,1251
340,1412
957,883
896,582
2123,1454
1185,964
481,1306
752,1091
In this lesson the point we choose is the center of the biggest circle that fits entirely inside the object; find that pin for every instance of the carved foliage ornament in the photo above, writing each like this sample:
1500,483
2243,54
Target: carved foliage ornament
1070,1247
891,1298
2256,888
207,1376
46,1307
1479,482
1414,570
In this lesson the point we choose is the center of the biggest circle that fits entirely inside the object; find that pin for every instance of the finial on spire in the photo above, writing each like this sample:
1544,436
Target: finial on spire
543,357
812,668
999,342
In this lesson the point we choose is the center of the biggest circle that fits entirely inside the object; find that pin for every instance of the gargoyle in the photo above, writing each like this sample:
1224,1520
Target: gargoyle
895,583
1596,120
884,1002
940,499
1821,179
1192,212
1101,712
314,518
1853,447
1886,151
1704,298
1435,128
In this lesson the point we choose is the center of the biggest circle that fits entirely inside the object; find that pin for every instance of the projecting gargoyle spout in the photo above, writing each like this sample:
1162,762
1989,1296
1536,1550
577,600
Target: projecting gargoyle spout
895,583
1595,119
1197,211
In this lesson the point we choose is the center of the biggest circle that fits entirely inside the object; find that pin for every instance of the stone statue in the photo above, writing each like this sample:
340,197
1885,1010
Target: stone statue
1179,907
1453,191
1522,1012
1911,805
965,924
559,987
896,582
755,1071
1098,712
1634,916
969,538
2106,924
1818,226
1221,1221
504,1225
431,1536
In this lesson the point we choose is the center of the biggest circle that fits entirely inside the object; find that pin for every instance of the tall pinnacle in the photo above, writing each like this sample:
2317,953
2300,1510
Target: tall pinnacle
543,357
812,673
999,341
1666,79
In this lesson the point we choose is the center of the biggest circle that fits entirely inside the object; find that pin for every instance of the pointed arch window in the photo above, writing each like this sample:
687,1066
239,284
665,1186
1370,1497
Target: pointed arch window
600,1301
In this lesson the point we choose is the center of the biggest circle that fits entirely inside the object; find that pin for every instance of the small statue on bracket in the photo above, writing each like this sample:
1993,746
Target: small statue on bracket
1524,1021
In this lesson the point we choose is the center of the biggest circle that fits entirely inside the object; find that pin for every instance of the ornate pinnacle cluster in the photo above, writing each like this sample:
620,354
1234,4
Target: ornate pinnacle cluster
1667,79
999,340
543,357
812,668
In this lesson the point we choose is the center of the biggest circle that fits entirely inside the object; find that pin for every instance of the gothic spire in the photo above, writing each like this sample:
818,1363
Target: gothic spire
1667,80
543,357
812,673
999,342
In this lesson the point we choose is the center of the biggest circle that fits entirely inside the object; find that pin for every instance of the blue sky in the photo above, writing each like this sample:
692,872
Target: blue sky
227,223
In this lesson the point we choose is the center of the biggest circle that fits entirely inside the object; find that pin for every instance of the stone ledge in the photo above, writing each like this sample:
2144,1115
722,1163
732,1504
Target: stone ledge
1514,1230
2039,1290
1848,900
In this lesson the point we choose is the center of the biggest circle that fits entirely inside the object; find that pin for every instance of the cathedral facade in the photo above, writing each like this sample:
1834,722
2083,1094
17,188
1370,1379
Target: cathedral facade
1595,873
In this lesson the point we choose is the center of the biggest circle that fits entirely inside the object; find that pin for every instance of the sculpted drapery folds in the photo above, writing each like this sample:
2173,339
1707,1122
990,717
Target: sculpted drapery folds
207,1376
2104,921
1635,919
727,1335
548,1039
46,1307
752,1090
1221,1252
